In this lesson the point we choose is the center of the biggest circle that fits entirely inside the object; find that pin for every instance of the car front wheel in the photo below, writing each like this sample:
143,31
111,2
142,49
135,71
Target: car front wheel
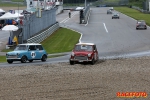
24,59
10,61
93,61
44,58
71,62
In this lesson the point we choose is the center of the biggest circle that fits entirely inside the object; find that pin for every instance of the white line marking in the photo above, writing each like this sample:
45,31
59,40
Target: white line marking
77,32
105,27
66,19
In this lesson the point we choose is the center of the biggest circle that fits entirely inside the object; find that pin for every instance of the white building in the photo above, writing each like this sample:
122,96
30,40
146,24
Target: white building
45,4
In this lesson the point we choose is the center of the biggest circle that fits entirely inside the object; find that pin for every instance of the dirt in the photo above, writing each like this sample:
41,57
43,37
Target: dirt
61,81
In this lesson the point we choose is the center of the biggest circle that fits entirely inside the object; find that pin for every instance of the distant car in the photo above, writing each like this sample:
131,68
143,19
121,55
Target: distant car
79,8
115,15
84,52
24,52
109,11
141,24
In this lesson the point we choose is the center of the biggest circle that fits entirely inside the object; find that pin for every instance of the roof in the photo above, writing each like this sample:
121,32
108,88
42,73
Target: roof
30,44
85,44
141,20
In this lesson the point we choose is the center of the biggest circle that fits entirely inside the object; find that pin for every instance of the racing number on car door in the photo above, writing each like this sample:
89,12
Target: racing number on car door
33,54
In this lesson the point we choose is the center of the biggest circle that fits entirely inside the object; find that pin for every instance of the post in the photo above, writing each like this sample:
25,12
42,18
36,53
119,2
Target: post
85,4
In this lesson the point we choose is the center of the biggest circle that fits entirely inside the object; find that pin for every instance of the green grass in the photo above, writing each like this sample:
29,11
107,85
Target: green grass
134,14
10,5
3,59
17,0
7,50
63,40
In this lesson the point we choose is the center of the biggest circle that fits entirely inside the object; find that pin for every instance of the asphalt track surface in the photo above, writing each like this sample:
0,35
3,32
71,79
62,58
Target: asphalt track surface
115,38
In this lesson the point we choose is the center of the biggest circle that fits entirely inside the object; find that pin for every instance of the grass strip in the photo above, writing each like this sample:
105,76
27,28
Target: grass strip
3,59
63,40
134,14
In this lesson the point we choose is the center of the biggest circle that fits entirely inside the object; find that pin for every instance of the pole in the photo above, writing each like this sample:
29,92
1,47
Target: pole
85,4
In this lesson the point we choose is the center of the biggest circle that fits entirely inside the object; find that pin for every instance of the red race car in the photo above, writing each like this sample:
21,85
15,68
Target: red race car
84,52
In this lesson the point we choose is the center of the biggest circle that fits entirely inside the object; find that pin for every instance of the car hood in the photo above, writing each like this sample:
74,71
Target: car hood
82,52
15,52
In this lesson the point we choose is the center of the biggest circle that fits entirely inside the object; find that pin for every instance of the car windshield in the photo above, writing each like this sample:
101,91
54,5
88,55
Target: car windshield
115,13
83,48
21,47
141,22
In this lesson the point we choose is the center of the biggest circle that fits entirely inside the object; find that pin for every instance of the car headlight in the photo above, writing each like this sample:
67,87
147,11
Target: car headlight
89,55
72,54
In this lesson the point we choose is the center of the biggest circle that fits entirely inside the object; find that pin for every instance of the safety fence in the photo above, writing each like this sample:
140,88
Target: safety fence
40,37
84,15
141,10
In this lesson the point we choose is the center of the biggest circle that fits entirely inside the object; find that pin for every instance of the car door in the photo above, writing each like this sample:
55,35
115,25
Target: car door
32,52
40,51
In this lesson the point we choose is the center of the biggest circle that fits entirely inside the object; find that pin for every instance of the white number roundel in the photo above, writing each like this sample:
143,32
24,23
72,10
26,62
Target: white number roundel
33,54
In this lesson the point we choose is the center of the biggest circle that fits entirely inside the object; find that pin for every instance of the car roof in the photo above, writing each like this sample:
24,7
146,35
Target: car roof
30,44
141,20
85,44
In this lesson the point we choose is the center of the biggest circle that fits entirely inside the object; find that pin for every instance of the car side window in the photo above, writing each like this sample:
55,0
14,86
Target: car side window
94,47
39,47
32,47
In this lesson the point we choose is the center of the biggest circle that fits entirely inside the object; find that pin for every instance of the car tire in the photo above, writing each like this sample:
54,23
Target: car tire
136,28
44,58
71,62
30,60
93,61
10,61
112,17
24,59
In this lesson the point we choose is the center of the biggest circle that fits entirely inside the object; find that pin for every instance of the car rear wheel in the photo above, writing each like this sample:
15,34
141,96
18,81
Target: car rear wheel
30,60
24,59
10,61
44,58
71,62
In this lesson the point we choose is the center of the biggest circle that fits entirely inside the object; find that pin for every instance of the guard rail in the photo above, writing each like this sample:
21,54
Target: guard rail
42,36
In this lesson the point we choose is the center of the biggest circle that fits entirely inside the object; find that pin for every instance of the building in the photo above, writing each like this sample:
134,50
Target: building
43,4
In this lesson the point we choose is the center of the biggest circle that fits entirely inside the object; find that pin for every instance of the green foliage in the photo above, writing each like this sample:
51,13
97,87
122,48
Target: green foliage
17,0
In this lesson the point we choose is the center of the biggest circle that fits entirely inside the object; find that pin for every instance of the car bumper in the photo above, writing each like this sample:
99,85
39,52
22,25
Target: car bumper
141,27
14,59
78,60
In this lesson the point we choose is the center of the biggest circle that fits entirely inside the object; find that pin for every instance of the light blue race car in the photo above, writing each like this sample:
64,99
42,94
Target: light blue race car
24,52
